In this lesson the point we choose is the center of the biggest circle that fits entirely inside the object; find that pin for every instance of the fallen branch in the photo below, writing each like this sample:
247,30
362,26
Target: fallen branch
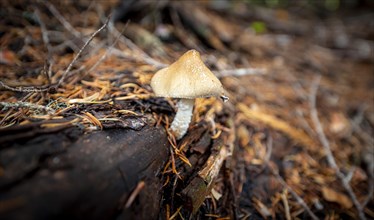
326,146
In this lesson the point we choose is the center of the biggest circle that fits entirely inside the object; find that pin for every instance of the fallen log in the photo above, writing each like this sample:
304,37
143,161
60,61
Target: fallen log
110,174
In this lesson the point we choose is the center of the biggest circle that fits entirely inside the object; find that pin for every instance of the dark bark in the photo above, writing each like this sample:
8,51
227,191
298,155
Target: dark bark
71,175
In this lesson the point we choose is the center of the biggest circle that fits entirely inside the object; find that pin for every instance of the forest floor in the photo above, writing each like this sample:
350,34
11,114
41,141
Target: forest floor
297,130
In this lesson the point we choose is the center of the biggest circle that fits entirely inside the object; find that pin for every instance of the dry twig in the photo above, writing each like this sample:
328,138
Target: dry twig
286,206
61,80
104,56
25,88
293,193
80,52
145,57
275,172
61,19
26,105
326,146
44,31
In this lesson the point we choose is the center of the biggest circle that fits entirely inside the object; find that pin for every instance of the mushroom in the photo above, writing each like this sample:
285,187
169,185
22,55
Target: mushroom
187,78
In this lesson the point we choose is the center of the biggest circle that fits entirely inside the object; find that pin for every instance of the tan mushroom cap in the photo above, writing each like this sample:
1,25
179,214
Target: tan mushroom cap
188,77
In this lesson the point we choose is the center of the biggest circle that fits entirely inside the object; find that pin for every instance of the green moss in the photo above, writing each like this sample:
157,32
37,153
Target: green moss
259,27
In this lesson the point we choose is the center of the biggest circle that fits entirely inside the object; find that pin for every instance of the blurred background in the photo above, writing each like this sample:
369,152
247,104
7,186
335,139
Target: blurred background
298,127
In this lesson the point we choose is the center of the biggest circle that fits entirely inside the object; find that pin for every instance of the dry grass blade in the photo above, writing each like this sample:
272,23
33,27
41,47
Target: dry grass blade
94,120
123,111
92,99
176,213
286,206
133,195
174,169
177,151
134,96
52,125
184,159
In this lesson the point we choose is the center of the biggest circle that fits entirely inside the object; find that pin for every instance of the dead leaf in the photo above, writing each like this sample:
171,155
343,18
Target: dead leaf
216,194
296,134
334,196
8,57
339,124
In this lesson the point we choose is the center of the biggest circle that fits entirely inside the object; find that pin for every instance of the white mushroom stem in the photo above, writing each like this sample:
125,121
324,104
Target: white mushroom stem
182,119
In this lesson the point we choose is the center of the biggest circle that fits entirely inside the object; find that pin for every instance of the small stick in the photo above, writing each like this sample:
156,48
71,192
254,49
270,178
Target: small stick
283,182
326,146
5,117
80,52
239,72
146,58
61,19
103,57
286,206
293,193
46,88
370,193
43,28
25,88
176,213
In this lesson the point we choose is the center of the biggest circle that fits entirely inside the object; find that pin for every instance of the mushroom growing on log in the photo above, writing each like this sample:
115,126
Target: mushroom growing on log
187,78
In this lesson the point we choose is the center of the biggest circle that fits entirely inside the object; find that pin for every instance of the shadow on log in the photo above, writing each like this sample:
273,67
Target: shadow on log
71,175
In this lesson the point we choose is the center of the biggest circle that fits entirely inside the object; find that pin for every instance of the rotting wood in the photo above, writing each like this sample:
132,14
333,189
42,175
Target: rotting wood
200,186
52,177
